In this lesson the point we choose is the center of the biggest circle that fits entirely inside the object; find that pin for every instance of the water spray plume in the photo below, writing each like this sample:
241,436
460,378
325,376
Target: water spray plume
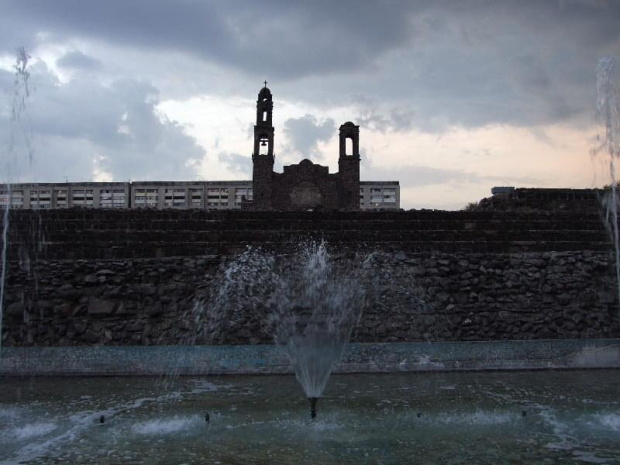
316,315
21,92
310,299
608,143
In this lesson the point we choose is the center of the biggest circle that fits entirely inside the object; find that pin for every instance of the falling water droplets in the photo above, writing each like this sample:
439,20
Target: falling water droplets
608,144
21,90
19,132
308,300
316,312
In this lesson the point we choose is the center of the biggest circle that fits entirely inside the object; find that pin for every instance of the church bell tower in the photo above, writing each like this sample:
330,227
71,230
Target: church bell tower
349,165
263,157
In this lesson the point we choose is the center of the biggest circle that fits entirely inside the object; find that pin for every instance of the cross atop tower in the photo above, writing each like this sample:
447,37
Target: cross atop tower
265,83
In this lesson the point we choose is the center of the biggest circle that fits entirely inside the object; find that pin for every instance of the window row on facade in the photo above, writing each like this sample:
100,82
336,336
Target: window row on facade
184,195
379,195
209,195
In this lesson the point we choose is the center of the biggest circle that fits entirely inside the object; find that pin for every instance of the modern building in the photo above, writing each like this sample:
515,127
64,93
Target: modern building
201,195
67,195
377,195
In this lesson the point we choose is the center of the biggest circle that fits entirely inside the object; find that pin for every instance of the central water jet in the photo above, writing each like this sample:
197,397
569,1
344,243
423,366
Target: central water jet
313,401
317,307
310,302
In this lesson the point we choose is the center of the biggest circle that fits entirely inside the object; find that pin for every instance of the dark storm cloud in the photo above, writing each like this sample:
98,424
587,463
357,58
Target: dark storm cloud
518,63
428,65
260,36
305,133
78,60
82,125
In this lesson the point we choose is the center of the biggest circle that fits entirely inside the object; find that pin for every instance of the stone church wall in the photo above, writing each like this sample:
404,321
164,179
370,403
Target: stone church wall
303,186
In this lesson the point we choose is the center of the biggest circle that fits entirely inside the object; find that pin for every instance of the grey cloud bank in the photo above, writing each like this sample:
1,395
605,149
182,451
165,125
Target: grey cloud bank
237,163
396,66
78,60
305,133
82,126
421,176
468,63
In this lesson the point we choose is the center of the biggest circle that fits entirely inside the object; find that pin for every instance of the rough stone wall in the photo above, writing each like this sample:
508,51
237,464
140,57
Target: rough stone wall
468,297
88,277
415,297
84,302
537,199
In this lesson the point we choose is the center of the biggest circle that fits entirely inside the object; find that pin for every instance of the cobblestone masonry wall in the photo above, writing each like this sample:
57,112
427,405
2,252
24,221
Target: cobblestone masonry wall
435,285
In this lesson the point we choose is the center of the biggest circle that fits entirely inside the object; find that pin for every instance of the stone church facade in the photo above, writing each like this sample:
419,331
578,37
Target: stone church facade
306,185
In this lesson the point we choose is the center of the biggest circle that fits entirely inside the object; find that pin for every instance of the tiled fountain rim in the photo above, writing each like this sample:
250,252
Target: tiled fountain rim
270,359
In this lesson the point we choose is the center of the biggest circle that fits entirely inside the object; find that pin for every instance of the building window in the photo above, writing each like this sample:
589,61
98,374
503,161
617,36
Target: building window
195,197
241,192
40,199
62,199
217,197
383,195
146,198
389,195
17,199
83,197
112,198
119,198
175,198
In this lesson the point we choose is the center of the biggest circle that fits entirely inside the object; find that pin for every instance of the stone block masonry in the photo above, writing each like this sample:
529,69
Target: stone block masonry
75,234
121,278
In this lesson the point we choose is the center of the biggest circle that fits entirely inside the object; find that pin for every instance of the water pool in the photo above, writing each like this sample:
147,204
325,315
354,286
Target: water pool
450,418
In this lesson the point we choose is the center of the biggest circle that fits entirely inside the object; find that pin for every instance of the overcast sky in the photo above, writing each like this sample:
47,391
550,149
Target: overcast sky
452,97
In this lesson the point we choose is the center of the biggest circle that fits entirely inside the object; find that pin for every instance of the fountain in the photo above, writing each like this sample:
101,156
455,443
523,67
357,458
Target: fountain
309,302
12,162
608,142
316,312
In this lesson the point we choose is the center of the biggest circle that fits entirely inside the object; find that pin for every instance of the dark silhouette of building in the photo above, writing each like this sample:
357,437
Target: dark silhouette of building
300,187
306,185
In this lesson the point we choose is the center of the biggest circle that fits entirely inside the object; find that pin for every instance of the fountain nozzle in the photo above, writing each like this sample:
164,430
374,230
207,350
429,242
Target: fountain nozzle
313,401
